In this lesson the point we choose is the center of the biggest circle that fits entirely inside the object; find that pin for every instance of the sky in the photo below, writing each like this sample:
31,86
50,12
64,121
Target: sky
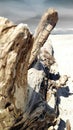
30,12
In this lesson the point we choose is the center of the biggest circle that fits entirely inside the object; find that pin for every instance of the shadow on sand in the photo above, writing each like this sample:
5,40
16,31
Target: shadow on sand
65,92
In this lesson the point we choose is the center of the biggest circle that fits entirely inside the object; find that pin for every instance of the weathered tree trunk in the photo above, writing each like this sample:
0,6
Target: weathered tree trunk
21,107
15,45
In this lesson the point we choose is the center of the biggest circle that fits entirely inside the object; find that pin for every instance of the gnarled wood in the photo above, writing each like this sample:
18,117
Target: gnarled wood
21,106
15,45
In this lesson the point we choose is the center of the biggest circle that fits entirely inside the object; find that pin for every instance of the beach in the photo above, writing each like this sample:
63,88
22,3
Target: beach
63,53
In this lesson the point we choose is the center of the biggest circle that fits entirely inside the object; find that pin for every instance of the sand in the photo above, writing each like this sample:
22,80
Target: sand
63,52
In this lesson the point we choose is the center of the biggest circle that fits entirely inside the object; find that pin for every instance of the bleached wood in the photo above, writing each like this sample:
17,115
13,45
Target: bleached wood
46,24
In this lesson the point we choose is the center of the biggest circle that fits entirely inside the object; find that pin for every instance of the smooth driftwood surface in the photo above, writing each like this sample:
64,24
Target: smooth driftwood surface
47,23
21,106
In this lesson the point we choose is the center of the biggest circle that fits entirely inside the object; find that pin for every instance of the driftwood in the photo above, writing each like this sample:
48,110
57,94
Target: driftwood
15,46
23,104
68,125
47,23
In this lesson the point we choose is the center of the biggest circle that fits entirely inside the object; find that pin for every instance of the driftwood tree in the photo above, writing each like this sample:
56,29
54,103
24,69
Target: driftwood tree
21,107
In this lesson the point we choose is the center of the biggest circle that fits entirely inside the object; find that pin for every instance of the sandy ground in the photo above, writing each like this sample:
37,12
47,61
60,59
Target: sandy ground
63,52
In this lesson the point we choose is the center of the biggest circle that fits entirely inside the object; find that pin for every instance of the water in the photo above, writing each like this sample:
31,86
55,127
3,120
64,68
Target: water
30,11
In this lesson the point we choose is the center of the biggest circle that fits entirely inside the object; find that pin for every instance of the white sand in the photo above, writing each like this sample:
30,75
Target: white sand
63,52
63,48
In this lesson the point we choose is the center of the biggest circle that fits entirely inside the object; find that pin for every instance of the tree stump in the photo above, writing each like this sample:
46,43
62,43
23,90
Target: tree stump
21,107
